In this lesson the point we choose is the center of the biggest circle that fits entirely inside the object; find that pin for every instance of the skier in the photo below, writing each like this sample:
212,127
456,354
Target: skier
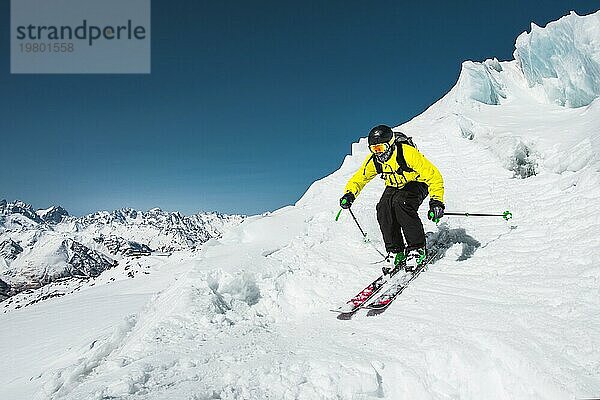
409,178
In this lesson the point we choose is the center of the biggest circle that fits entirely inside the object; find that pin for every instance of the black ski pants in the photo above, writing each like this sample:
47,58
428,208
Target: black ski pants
397,214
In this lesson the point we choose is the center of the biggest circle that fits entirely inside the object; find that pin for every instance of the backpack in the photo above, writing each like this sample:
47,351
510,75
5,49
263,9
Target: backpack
401,139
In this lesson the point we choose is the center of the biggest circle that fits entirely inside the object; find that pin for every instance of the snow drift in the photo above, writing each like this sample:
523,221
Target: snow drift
510,311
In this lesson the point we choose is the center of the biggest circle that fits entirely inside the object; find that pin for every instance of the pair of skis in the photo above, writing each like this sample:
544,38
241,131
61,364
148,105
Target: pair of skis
374,299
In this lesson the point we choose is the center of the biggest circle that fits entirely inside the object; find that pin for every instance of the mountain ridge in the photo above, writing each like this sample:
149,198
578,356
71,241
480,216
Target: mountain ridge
38,247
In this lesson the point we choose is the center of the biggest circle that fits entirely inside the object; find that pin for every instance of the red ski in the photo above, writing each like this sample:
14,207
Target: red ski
354,304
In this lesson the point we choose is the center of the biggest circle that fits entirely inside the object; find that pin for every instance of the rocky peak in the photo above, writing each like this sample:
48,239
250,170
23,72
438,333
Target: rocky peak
118,245
9,249
53,215
85,261
19,207
4,290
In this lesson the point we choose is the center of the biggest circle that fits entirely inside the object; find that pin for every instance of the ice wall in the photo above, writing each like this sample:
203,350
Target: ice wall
563,58
479,82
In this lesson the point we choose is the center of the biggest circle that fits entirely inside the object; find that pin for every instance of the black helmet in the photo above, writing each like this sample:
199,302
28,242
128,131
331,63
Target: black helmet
380,134
381,142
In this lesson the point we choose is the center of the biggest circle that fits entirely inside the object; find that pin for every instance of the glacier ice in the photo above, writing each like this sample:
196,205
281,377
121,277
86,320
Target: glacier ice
477,81
543,103
563,58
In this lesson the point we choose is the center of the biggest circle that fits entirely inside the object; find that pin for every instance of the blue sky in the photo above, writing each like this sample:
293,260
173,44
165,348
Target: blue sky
247,104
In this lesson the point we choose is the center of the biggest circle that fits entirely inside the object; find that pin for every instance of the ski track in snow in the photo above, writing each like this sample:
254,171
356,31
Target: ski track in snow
516,318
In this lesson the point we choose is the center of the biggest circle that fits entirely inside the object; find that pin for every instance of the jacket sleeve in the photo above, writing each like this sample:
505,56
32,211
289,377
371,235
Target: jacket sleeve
428,173
361,177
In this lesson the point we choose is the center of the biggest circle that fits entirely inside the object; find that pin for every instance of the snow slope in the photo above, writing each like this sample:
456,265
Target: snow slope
248,317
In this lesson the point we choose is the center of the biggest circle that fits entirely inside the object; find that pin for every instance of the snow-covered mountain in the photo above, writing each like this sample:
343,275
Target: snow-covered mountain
44,246
509,311
162,231
54,214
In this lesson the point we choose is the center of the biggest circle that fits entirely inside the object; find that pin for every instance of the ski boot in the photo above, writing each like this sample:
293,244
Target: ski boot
399,263
414,259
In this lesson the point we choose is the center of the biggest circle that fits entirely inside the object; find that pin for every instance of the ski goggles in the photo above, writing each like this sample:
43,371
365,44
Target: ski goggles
380,148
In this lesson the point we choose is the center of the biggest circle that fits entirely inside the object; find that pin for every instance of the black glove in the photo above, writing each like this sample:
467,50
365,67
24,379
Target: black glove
347,200
436,210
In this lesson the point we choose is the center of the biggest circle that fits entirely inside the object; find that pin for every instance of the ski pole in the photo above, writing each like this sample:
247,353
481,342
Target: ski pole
357,224
359,227
506,214
353,217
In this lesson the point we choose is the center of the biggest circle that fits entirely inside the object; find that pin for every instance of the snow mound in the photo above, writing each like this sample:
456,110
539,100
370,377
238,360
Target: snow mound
63,380
563,58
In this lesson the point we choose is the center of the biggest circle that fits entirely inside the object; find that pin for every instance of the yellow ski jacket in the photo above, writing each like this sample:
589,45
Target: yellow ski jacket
424,171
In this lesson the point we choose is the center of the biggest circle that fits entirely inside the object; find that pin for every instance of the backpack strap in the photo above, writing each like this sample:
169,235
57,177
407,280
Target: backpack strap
401,139
378,166
401,160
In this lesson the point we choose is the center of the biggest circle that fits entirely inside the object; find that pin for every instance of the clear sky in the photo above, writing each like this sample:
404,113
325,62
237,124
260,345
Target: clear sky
248,102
